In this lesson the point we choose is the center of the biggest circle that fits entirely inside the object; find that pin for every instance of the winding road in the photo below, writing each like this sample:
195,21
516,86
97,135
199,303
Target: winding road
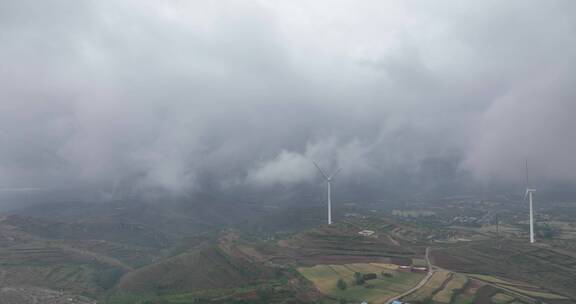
421,283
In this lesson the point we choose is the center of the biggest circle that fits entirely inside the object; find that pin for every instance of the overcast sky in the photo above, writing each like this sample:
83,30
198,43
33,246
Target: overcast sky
176,95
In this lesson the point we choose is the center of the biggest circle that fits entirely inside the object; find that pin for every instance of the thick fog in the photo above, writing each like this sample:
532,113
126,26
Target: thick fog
184,96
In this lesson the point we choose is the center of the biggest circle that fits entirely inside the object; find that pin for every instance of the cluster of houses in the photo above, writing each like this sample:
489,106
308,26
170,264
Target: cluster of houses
466,220
412,268
405,264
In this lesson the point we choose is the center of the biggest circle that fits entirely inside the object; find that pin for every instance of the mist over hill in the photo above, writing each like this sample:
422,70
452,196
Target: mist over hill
226,100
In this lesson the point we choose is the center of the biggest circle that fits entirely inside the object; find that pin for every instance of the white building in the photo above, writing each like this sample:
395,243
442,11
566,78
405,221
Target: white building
366,232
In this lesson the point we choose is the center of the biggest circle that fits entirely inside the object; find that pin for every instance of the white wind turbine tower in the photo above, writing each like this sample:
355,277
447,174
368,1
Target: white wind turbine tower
328,179
529,194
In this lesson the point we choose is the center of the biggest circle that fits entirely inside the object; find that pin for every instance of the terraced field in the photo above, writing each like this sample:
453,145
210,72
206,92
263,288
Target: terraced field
325,278
502,298
48,266
19,295
550,269
129,255
342,244
521,288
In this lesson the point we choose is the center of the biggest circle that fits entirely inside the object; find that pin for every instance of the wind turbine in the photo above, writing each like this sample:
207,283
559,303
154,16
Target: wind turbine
529,194
328,179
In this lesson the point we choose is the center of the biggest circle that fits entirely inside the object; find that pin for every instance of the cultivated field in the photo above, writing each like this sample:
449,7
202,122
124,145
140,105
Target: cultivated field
451,288
325,278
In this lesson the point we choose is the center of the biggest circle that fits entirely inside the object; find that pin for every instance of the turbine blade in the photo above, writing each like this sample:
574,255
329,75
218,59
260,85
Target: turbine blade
335,173
320,170
527,180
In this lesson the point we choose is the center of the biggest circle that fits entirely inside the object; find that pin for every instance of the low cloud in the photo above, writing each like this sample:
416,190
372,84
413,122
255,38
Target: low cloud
286,169
186,96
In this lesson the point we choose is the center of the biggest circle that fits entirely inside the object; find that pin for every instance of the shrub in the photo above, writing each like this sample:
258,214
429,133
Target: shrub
341,284
386,274
264,292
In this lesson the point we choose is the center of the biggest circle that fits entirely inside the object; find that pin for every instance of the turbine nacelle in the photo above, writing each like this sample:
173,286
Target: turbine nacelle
331,177
328,178
528,191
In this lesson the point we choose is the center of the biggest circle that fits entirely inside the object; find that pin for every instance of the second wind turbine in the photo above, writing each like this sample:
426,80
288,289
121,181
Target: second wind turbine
328,179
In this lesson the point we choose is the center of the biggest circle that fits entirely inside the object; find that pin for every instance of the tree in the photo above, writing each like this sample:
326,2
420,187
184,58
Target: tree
358,278
341,284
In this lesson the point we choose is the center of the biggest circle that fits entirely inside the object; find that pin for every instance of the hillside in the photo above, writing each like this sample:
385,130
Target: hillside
208,267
